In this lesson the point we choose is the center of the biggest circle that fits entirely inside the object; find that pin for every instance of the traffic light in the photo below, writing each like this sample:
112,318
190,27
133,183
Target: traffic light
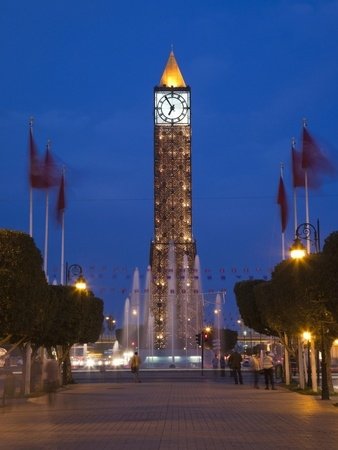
198,339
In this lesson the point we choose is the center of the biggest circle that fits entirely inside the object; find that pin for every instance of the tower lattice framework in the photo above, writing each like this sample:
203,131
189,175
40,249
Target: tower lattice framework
173,225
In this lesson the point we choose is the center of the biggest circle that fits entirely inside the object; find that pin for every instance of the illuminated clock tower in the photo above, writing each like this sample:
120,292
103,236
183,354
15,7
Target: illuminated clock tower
173,249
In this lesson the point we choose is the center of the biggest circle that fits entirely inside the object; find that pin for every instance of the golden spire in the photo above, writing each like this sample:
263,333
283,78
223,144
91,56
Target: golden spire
172,76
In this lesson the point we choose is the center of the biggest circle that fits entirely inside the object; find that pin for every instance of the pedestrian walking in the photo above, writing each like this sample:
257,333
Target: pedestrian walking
234,362
215,363
222,365
256,369
52,379
135,364
268,371
36,375
9,385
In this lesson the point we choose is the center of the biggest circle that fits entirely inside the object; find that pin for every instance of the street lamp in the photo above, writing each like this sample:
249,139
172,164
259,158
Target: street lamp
309,233
297,249
75,271
110,323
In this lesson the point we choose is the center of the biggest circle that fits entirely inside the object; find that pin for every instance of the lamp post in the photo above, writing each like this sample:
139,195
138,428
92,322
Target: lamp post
136,313
307,340
325,386
309,233
218,318
75,271
110,323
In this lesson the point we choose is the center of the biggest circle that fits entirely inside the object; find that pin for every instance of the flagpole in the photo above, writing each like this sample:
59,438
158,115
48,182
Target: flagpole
307,214
31,211
45,262
62,279
63,239
283,234
45,265
28,348
30,189
295,214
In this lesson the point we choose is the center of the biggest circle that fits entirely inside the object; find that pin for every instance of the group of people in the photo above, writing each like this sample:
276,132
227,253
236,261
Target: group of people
259,365
263,365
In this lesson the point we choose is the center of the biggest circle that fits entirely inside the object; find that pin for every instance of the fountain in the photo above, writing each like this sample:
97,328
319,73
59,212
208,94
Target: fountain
171,305
126,324
217,321
185,302
135,309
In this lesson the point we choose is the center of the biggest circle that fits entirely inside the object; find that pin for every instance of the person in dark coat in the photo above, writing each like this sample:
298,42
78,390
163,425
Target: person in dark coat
234,362
222,365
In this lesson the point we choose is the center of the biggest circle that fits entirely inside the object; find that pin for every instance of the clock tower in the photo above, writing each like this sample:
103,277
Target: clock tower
173,213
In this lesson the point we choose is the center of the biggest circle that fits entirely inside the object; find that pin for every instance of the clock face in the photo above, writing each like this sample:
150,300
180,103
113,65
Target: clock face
172,107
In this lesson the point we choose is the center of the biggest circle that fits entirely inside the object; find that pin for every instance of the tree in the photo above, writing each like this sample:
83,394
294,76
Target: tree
329,274
228,340
248,306
23,287
73,317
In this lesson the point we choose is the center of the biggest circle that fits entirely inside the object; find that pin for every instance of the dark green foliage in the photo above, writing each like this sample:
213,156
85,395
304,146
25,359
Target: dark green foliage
329,273
228,340
72,317
34,311
269,322
291,286
249,308
23,285
92,313
63,317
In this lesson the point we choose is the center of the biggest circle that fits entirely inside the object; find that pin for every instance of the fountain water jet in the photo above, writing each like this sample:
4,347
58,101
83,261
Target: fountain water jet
126,324
172,299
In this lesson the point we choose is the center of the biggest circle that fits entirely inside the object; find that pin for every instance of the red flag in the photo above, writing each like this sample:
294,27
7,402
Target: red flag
35,165
282,201
298,173
313,158
50,172
61,203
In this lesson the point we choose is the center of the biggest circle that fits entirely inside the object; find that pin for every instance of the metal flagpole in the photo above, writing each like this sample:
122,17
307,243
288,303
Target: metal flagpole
307,215
45,265
30,183
295,215
63,236
283,234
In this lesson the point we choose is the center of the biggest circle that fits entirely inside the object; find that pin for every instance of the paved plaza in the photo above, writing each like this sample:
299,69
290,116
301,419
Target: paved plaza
169,412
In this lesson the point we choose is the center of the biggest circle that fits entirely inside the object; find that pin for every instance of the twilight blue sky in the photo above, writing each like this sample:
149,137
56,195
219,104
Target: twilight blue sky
86,70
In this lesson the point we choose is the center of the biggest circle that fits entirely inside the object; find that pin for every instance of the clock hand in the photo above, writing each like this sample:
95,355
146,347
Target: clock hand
168,102
172,108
